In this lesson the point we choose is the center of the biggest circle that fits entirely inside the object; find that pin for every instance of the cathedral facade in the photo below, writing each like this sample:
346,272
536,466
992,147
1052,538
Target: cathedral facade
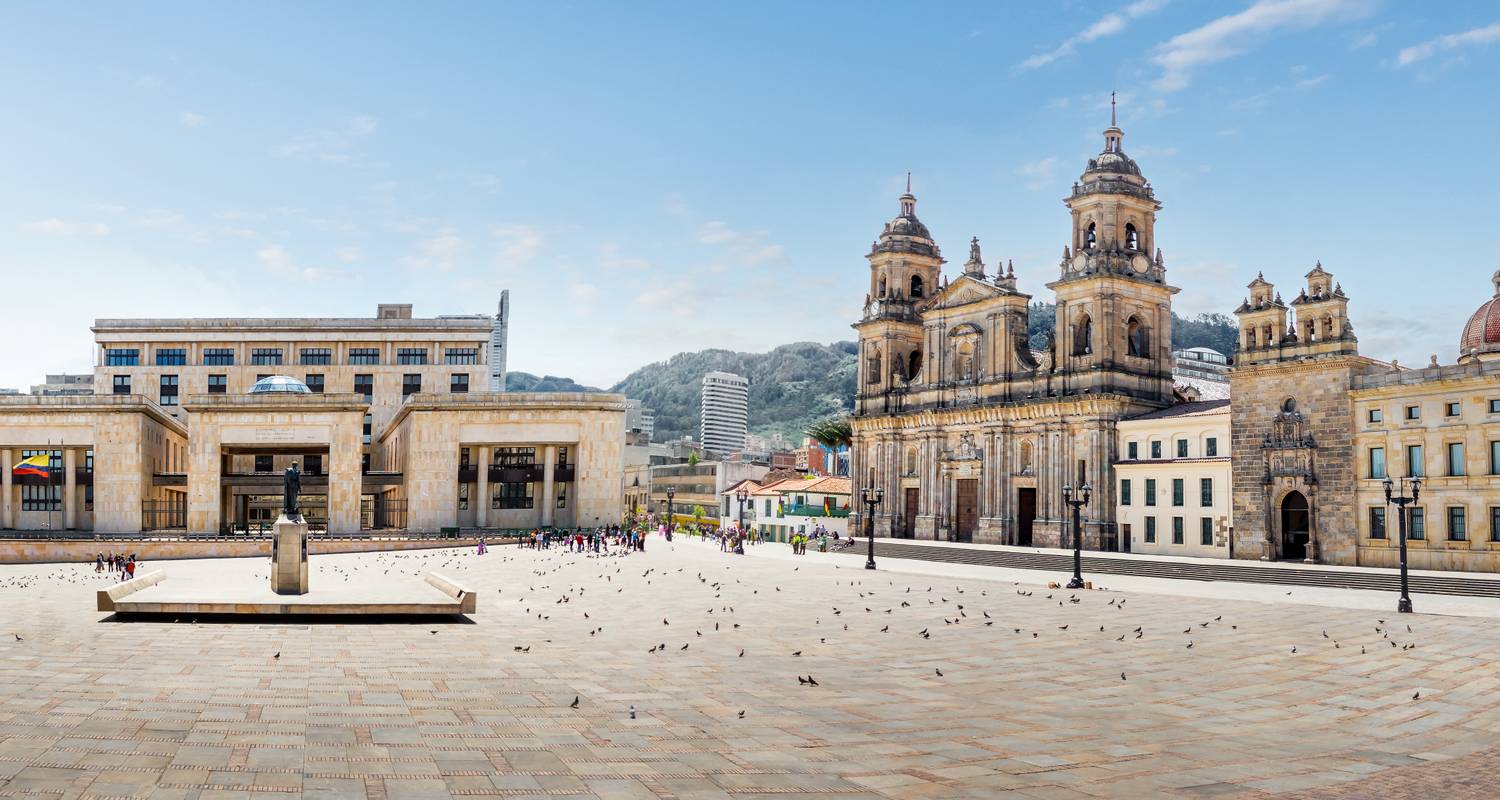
969,432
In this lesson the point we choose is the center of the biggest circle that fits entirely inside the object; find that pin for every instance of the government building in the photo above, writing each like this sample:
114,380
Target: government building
391,419
969,433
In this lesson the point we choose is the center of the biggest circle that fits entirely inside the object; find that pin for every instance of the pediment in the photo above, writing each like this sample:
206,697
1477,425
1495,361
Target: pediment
964,291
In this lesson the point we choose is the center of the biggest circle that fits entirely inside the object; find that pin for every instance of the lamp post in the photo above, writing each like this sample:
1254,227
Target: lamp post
742,496
1403,606
671,492
871,498
1082,500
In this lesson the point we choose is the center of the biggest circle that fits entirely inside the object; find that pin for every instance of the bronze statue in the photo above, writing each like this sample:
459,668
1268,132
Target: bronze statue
291,484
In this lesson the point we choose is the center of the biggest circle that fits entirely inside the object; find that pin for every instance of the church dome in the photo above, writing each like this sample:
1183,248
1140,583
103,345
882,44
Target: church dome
279,384
1481,334
906,233
1113,161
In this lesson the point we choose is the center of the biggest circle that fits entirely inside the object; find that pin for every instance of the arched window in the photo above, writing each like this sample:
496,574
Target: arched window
1328,327
1132,241
1288,405
913,365
872,365
911,461
963,361
1089,237
882,286
1025,460
916,287
1249,338
1083,336
1137,339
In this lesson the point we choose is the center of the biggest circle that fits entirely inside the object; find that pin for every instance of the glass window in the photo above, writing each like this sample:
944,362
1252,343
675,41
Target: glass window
458,383
368,425
1453,409
1150,491
266,356
1414,466
1495,406
122,384
218,357
411,355
515,456
1177,492
1457,523
171,356
1495,523
463,497
1413,412
1124,491
263,464
1150,530
314,382
41,497
1377,462
1418,527
1206,531
1133,450
314,465
364,355
316,356
168,393
512,495
1495,458
364,385
1156,449
1375,415
1205,492
1211,447
1377,522
1177,530
1182,448
218,384
461,355
410,384
121,357
1456,459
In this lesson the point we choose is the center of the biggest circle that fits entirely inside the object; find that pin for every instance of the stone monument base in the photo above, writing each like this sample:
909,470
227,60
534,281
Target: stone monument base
289,555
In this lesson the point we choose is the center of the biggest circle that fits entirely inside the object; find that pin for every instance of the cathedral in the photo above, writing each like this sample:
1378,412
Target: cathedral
970,433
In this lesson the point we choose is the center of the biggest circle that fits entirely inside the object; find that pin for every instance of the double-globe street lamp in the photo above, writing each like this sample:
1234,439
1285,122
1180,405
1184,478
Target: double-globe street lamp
1401,501
871,498
671,492
742,496
1077,503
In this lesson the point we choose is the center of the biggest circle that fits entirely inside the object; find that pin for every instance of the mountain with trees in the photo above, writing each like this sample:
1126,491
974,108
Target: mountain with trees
526,382
1218,331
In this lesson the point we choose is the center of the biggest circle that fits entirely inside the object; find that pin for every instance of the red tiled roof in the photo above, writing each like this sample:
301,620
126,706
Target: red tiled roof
1192,409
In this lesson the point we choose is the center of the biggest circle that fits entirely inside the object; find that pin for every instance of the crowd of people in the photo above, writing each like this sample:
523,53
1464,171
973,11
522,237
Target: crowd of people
622,539
119,564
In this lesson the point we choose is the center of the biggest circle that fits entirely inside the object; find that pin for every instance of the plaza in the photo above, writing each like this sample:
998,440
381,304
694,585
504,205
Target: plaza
1034,699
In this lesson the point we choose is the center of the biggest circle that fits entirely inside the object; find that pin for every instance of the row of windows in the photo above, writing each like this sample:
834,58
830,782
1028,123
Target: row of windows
272,356
1179,490
1416,466
511,495
512,456
1451,409
1205,530
458,383
1416,526
311,465
1180,448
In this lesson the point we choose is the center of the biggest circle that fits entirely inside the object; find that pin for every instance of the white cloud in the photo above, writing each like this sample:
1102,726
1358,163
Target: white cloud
1234,35
276,259
583,292
518,244
361,126
1107,25
1309,83
58,227
1488,34
1039,173
190,119
437,252
158,218
743,247
328,145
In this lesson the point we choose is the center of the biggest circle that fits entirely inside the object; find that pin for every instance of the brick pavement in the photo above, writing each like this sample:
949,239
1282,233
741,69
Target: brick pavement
92,708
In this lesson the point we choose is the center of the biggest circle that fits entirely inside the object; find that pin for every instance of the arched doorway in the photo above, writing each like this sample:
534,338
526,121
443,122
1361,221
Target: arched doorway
1294,527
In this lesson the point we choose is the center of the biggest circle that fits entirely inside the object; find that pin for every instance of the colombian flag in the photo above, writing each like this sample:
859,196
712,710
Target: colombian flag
35,465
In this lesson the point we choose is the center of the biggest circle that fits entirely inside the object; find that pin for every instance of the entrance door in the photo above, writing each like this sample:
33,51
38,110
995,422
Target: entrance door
1025,515
966,515
1294,527
1125,538
909,514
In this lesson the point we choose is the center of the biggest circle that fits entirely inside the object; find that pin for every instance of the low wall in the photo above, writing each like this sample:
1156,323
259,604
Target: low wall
26,551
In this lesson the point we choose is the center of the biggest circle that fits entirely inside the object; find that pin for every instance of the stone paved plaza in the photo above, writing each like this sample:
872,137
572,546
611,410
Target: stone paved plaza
1040,696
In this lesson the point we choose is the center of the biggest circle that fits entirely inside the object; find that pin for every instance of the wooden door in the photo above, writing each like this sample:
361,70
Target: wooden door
966,515
909,512
1025,515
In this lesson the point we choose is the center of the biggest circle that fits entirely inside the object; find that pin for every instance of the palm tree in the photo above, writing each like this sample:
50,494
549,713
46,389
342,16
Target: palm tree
833,433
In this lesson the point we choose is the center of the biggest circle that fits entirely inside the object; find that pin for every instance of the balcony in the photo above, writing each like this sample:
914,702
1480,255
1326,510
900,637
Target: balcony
809,510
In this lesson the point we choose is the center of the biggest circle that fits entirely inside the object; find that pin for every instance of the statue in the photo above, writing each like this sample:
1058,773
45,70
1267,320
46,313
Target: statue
291,484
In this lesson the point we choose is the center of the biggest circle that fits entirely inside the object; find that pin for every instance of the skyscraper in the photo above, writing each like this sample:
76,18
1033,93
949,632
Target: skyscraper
497,343
723,411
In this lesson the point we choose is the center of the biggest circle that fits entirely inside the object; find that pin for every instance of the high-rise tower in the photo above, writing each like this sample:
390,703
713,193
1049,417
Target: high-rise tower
724,412
498,334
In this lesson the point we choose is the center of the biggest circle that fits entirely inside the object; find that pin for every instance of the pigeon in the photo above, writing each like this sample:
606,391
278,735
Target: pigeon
1294,651
1190,645
1417,696
277,654
684,646
742,652
742,713
574,704
939,672
1122,676
801,680
810,681
798,653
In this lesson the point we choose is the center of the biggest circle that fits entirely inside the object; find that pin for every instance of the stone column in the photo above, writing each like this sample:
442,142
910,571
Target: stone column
549,502
482,502
7,521
344,478
70,489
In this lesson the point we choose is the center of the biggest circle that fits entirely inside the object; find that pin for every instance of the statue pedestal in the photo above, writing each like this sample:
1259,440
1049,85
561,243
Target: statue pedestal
289,556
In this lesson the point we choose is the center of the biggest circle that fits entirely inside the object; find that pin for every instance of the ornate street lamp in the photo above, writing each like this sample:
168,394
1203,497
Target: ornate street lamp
1082,500
671,492
871,498
742,496
1403,605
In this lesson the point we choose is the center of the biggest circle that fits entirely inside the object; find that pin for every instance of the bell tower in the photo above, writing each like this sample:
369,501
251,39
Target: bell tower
1114,306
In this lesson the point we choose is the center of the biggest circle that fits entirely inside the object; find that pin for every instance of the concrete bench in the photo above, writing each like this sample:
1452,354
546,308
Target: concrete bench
468,601
107,597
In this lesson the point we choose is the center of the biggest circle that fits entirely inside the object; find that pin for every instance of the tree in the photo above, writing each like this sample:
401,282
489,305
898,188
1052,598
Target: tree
698,513
693,458
832,432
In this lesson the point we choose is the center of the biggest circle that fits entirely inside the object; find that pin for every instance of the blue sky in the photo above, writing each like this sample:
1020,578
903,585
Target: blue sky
651,178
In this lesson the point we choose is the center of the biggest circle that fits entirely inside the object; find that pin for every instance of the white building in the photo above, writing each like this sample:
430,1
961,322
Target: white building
724,411
1204,363
777,509
65,384
1174,492
499,330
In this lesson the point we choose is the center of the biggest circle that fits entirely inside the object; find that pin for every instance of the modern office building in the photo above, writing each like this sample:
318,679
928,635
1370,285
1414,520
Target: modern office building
64,384
724,411
1203,363
499,333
